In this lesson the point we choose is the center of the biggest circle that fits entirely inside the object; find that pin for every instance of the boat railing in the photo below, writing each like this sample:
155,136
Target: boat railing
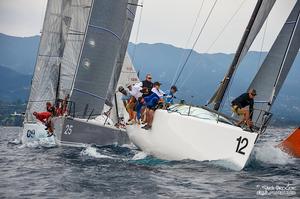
71,109
219,117
261,119
259,125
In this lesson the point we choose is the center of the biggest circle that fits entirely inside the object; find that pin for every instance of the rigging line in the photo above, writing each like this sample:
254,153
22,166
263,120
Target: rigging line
137,33
200,33
226,26
188,41
217,38
262,44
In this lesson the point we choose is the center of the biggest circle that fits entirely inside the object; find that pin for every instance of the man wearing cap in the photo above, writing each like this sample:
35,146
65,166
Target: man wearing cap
239,107
153,101
125,95
147,84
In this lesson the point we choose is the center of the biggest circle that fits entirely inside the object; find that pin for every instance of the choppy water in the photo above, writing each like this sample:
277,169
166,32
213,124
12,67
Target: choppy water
43,171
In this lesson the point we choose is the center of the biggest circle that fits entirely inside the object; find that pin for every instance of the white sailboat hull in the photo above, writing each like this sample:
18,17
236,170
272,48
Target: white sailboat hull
176,137
35,132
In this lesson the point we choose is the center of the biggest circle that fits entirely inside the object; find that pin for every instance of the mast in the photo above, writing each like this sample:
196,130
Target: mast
258,17
274,70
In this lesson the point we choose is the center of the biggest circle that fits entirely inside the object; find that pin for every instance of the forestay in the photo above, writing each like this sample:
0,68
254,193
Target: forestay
99,56
45,79
273,72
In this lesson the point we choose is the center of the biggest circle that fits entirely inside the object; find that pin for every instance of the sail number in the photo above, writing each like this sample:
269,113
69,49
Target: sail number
69,129
30,133
242,144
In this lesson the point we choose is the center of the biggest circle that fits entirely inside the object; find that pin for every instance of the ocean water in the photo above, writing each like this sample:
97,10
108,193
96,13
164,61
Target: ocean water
41,170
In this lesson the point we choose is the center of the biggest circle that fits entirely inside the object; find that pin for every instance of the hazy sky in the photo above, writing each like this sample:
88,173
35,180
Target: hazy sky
165,21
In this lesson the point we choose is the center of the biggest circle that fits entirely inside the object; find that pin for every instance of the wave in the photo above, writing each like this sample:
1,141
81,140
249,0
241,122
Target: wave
139,155
268,153
92,152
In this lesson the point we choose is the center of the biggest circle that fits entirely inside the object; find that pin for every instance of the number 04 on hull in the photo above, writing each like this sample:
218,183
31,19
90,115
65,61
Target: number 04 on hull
198,135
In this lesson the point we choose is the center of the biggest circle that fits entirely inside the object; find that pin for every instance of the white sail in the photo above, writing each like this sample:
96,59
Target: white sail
79,12
273,72
128,76
45,78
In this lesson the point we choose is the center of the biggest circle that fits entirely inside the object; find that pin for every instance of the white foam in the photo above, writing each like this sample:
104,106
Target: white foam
92,152
140,155
130,146
15,141
270,154
41,142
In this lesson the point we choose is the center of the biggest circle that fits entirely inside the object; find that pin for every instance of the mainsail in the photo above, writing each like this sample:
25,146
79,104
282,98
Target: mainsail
45,78
259,15
131,10
273,72
99,56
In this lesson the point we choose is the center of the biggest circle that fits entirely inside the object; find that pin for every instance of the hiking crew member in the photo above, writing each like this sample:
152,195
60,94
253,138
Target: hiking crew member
147,84
125,96
169,97
239,107
153,101
135,92
45,117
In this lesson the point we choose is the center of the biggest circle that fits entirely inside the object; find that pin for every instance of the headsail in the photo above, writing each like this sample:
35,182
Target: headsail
259,15
99,56
271,75
79,10
128,76
45,78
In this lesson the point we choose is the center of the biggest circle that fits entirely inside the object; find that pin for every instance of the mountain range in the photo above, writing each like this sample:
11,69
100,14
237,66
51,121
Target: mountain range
13,85
196,84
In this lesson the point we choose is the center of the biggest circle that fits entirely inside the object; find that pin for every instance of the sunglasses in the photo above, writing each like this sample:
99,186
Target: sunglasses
253,94
149,77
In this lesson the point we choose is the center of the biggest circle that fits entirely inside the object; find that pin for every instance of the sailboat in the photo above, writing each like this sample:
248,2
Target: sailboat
205,134
81,54
291,144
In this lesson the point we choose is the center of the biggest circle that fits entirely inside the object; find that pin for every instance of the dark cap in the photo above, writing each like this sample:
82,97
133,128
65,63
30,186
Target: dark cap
156,84
174,88
253,92
120,89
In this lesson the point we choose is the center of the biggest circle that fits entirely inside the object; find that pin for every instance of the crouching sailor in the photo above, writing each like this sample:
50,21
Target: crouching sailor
45,117
240,104
153,102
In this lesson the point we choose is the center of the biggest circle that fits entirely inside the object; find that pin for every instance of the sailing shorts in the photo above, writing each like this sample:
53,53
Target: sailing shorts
236,110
